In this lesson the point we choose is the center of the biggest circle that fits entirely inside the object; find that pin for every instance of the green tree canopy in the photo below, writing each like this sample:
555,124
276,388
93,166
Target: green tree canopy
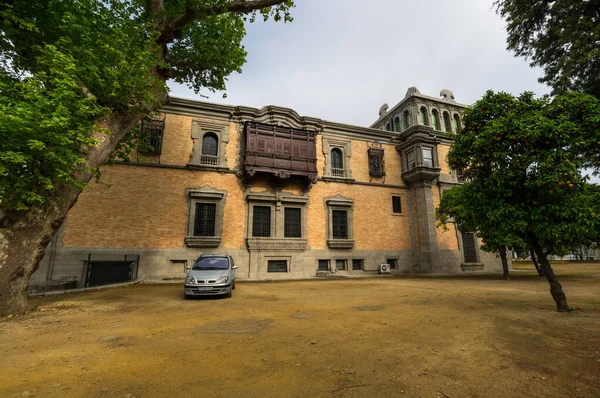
562,37
523,160
75,77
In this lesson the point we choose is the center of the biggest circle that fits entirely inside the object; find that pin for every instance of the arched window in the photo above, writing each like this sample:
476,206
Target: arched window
423,115
406,117
436,119
397,124
456,122
337,161
387,126
447,124
210,144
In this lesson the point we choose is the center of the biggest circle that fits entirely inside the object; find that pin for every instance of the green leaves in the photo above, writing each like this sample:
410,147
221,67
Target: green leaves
562,37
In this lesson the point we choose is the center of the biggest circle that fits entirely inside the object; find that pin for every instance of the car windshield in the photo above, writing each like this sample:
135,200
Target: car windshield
211,263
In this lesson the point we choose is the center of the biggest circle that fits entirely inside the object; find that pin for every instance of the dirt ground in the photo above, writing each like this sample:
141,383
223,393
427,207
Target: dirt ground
469,336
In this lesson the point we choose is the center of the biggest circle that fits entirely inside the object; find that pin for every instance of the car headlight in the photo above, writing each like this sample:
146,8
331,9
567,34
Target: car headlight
222,279
190,279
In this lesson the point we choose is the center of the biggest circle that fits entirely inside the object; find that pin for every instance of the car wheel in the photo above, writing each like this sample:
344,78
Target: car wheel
233,287
228,295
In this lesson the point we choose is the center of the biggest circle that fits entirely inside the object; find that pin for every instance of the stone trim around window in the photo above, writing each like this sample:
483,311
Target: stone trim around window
339,203
277,201
346,148
197,160
204,195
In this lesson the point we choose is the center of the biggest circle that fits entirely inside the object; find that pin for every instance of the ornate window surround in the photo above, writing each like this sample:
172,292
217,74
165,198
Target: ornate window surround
277,201
339,203
204,195
199,129
345,146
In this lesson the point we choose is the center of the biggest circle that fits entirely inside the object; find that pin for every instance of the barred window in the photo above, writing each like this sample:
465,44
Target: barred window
210,144
340,265
292,222
357,264
323,265
340,224
376,165
261,221
396,204
277,266
152,133
204,223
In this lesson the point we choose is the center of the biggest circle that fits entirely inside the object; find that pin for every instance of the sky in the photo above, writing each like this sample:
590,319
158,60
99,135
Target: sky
340,60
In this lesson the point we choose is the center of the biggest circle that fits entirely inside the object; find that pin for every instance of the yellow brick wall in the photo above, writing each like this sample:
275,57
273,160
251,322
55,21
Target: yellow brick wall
375,227
446,239
442,151
147,207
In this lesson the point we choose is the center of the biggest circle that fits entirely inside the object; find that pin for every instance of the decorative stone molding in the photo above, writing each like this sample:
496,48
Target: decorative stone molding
345,146
275,244
472,267
338,202
205,194
340,243
199,129
202,241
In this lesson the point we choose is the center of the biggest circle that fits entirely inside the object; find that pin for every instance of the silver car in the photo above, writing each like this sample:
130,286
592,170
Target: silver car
211,274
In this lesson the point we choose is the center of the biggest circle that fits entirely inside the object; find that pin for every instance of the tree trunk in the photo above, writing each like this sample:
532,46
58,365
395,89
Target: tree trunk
556,289
535,263
505,274
24,235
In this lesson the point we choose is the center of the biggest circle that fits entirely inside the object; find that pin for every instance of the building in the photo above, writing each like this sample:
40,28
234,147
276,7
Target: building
287,196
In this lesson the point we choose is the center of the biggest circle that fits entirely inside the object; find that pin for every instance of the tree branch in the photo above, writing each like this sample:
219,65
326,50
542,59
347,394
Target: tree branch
172,30
156,6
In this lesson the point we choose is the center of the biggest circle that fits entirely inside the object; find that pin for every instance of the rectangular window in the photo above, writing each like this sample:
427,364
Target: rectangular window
411,160
152,131
340,265
340,224
204,223
277,266
292,222
427,157
392,262
261,221
396,205
323,265
357,264
376,167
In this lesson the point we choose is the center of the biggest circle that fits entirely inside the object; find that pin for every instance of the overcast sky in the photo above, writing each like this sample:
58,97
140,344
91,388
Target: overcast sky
340,60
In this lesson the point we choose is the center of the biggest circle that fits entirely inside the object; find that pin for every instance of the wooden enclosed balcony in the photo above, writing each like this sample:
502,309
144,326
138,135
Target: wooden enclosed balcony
280,151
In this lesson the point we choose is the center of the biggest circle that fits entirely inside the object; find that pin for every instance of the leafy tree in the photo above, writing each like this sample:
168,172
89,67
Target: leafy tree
562,37
75,77
471,209
522,158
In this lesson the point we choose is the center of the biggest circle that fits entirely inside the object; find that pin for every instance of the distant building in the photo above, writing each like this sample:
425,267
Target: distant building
287,196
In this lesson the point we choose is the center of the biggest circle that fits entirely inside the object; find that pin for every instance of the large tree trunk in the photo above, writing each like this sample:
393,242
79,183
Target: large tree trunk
556,289
535,263
24,235
505,274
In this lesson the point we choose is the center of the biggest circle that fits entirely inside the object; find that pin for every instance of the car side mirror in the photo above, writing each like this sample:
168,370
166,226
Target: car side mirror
234,267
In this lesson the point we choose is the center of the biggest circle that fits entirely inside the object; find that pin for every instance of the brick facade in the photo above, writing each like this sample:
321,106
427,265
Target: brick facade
144,208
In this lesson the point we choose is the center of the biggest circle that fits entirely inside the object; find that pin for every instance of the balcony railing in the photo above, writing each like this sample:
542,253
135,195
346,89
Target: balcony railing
278,150
338,172
209,160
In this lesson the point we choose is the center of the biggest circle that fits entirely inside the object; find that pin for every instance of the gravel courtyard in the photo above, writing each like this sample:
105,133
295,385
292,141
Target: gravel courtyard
471,336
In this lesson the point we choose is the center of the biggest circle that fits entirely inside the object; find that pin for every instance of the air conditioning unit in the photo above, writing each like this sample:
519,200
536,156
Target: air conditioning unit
384,268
